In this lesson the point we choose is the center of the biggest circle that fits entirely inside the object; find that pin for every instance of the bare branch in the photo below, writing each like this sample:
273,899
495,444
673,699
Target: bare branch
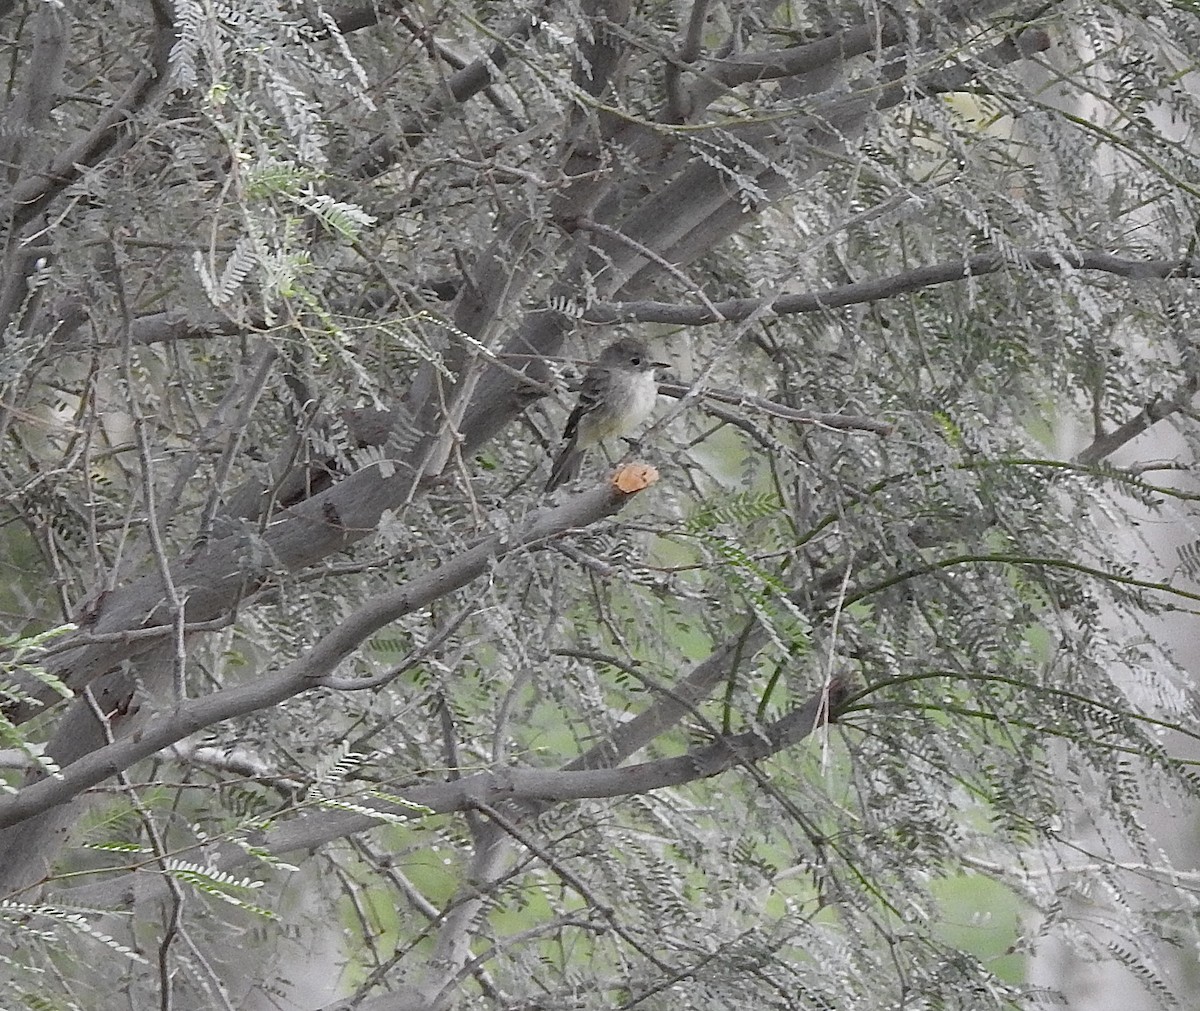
796,60
1161,407
737,309
579,781
350,17
697,209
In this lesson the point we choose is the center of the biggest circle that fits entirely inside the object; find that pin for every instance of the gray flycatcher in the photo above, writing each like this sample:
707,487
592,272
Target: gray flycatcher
617,394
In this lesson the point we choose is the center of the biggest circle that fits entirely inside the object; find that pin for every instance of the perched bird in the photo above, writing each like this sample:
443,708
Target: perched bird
617,394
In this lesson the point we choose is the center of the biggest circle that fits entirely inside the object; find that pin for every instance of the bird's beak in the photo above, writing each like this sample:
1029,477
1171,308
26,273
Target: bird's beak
661,365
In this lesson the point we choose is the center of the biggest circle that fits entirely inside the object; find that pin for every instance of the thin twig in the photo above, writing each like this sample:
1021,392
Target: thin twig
158,546
777,410
617,236
351,684
573,881
175,928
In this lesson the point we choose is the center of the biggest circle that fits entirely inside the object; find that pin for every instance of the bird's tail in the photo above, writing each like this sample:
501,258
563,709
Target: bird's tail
566,466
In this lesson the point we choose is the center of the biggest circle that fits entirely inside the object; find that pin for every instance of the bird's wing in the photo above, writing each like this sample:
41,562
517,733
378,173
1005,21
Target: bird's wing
589,394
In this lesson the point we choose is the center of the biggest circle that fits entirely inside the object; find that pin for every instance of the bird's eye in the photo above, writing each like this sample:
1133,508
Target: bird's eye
635,360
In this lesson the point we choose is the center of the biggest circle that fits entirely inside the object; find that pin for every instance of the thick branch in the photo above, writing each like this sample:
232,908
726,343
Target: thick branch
876,33
314,830
382,153
803,59
633,735
308,670
697,209
31,196
535,789
31,106
227,570
350,17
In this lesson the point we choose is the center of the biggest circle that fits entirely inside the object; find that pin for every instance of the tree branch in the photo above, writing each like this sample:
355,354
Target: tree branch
680,104
30,107
842,422
538,786
1108,443
350,17
31,196
577,781
697,208
580,781
381,154
738,309
309,670
743,68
